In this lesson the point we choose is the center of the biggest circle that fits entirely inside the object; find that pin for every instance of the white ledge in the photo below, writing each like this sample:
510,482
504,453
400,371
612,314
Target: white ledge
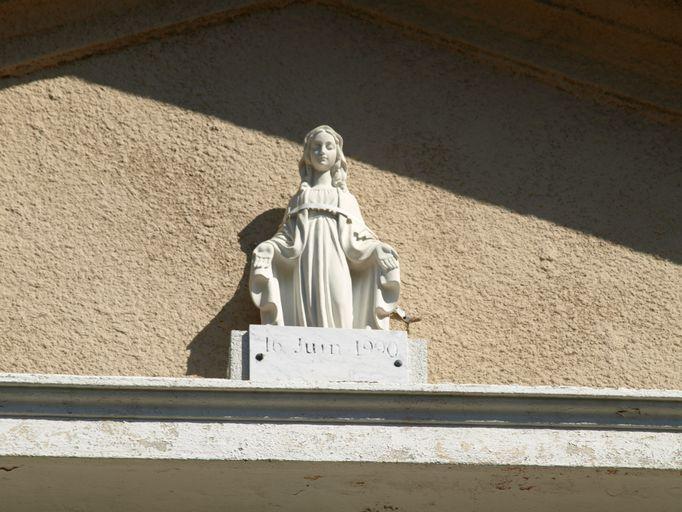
119,381
233,445
178,399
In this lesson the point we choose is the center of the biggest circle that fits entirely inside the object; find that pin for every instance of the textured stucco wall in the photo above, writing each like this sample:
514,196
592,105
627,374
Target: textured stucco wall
539,233
26,17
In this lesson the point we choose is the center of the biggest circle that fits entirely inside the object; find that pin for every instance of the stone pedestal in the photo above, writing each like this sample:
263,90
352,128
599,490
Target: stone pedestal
267,353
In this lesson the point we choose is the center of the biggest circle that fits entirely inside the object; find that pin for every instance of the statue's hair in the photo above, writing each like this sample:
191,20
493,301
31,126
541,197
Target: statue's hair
339,170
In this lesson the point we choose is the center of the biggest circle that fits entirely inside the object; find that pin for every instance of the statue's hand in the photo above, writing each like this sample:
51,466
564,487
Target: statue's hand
262,256
388,258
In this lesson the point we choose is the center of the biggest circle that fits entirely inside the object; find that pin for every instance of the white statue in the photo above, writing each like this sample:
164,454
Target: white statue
324,267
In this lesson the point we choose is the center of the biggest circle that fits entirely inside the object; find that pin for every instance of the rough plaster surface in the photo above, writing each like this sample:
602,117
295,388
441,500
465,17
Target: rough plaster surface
625,51
539,233
171,485
620,51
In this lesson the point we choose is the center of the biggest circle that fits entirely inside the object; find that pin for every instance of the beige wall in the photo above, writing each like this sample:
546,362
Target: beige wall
539,232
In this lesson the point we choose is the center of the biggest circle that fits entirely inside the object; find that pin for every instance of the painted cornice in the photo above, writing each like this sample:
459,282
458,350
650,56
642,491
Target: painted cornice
219,400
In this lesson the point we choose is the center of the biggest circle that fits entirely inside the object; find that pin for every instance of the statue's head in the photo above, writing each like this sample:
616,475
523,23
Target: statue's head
323,152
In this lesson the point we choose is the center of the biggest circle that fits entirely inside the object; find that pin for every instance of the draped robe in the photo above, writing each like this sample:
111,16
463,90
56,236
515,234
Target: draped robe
325,270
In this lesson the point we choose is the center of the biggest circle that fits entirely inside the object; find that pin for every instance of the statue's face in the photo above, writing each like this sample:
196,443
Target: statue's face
323,152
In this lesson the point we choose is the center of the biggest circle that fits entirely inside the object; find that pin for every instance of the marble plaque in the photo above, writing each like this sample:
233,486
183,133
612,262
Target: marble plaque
313,354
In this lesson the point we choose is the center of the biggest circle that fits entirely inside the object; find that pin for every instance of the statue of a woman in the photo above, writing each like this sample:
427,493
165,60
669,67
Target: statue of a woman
324,267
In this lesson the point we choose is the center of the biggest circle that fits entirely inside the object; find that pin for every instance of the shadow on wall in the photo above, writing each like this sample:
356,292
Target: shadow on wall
208,352
423,112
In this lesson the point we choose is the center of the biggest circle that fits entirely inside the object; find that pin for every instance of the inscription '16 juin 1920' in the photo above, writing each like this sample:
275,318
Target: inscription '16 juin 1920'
358,348
279,353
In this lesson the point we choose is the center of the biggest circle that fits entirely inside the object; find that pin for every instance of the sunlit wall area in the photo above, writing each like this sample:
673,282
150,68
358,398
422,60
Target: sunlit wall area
536,213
